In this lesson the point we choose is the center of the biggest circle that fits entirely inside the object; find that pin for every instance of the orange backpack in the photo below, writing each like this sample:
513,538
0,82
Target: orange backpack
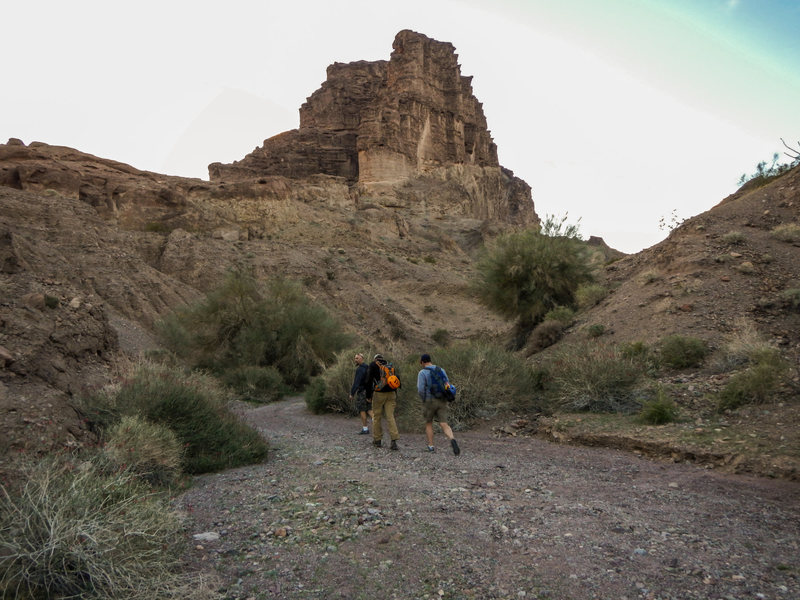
389,380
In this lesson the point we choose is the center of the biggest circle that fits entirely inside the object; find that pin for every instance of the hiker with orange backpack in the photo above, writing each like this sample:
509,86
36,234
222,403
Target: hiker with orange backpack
382,391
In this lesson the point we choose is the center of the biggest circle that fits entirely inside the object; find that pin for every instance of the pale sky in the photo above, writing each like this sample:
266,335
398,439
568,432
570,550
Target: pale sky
617,112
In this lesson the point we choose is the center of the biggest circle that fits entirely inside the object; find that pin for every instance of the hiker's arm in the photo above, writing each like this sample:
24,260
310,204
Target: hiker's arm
421,385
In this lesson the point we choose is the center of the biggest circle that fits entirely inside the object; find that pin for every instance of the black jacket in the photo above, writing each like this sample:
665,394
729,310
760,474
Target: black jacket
360,379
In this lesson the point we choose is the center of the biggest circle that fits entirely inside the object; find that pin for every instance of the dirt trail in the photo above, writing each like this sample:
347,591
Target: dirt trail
330,516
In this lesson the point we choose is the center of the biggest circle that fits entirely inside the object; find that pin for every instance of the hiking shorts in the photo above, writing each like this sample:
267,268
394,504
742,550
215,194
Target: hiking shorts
435,408
361,401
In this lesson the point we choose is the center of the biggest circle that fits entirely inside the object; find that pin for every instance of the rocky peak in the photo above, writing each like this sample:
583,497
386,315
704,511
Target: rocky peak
380,121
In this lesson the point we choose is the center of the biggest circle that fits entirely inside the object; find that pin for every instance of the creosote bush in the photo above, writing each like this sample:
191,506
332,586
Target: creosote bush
680,352
564,314
589,295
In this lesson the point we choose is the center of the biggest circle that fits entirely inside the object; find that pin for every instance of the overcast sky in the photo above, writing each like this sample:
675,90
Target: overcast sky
617,112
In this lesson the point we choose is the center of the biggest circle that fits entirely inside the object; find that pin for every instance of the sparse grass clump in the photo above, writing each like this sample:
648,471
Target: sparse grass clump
441,337
73,530
788,232
743,346
595,377
149,450
595,330
733,237
791,297
680,352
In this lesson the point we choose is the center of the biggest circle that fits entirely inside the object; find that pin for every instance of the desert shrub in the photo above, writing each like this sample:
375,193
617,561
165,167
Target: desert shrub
149,450
733,237
757,384
595,377
73,530
588,295
649,277
563,314
791,297
242,324
545,334
330,391
525,274
660,411
788,232
441,337
595,330
490,380
51,301
743,346
192,405
255,384
641,354
680,352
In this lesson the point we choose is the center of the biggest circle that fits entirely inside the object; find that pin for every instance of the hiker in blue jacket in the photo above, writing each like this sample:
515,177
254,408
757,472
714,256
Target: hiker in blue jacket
432,407
359,392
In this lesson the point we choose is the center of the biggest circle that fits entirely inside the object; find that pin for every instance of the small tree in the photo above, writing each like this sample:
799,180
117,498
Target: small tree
527,273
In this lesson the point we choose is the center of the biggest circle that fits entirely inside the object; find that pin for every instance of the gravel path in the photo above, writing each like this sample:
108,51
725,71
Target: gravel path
330,516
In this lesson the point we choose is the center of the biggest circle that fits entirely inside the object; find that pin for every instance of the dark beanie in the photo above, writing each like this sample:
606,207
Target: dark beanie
425,358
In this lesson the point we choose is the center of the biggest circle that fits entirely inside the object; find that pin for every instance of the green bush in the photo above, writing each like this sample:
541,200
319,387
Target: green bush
525,274
241,324
595,330
596,377
680,352
330,391
660,411
255,384
588,295
757,384
562,314
72,530
193,406
149,450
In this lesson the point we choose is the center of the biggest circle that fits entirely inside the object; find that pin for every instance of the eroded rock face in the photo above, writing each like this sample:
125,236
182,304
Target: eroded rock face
380,121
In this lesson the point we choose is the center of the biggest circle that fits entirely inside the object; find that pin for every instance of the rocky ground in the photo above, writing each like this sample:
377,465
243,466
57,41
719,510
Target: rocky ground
330,516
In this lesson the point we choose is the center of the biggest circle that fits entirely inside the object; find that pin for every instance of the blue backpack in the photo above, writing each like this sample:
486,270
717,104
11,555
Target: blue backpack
440,386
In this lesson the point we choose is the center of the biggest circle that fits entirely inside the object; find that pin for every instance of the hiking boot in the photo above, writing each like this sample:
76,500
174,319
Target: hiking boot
431,449
364,430
376,443
456,449
394,445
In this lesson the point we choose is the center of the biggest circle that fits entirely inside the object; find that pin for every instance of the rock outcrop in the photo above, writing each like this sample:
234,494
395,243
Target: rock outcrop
380,125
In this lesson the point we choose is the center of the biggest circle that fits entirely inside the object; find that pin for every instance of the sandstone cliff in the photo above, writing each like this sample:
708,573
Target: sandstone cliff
383,126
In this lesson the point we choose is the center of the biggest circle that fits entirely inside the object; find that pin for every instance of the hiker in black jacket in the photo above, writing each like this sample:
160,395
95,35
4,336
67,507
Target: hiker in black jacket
359,391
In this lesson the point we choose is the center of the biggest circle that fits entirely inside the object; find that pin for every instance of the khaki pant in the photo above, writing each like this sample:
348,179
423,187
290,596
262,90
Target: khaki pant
384,401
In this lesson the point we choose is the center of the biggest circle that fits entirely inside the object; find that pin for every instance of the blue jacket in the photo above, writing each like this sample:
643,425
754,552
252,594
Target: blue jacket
424,382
